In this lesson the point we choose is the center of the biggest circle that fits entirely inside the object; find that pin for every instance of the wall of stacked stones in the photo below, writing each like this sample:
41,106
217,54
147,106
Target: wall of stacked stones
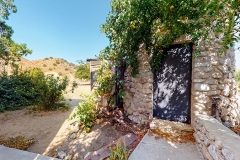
212,75
214,140
138,101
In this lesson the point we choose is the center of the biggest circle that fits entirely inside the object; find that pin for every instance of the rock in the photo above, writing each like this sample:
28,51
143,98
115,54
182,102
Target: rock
68,157
208,69
73,136
212,81
197,80
61,154
201,87
75,127
212,151
224,69
132,90
226,91
206,153
218,144
202,99
213,93
200,75
217,75
229,155
201,64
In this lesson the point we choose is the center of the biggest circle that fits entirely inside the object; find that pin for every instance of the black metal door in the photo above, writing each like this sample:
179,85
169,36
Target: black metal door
172,85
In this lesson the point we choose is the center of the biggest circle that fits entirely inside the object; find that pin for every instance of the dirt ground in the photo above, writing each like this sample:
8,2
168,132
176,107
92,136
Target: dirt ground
51,130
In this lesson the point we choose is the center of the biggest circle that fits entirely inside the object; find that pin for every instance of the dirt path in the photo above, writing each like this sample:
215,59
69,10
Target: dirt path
51,130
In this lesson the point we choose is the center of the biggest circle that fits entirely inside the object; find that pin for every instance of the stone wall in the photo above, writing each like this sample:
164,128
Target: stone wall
138,100
212,75
215,141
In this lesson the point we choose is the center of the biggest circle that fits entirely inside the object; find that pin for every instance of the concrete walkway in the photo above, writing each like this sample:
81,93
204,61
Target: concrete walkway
15,154
160,149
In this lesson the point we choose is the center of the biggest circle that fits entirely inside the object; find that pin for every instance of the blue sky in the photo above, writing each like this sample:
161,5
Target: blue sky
60,28
66,29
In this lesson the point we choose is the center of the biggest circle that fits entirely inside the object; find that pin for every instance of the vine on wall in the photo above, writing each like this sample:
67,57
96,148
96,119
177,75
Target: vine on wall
157,23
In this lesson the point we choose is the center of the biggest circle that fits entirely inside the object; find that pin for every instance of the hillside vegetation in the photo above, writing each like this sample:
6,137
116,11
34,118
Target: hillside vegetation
58,65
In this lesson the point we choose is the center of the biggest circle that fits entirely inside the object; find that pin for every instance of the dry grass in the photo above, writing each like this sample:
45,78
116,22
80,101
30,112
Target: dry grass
58,65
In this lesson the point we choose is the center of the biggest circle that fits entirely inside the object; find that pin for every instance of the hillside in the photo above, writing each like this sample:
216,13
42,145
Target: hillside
58,65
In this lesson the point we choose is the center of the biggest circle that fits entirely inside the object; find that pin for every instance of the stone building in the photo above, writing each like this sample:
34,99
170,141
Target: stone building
184,86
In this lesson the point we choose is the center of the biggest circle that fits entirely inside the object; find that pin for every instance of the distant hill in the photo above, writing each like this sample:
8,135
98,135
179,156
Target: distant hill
58,65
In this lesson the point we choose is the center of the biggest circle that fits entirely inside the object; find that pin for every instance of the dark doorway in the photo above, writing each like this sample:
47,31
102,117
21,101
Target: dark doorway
172,85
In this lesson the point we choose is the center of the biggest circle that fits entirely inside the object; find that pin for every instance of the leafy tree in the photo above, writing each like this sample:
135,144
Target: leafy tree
158,23
10,51
83,71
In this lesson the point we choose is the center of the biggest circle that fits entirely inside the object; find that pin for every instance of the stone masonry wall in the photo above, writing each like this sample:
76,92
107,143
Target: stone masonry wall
138,101
215,141
213,75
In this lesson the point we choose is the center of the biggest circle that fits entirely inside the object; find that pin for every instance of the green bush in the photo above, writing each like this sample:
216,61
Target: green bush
17,91
32,88
50,90
86,113
83,71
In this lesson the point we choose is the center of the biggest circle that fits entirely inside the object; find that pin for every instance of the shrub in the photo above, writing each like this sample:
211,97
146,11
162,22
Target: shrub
50,69
36,72
83,71
44,65
120,152
55,64
86,113
17,91
66,69
60,74
50,90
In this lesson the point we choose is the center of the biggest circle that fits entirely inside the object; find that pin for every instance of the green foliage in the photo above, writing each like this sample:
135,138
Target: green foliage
17,91
83,71
105,79
36,72
120,152
157,24
50,90
86,113
10,51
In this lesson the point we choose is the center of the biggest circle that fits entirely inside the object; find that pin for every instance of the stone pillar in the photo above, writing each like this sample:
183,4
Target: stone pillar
138,100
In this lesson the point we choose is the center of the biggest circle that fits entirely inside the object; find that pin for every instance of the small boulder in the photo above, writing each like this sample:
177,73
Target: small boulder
61,154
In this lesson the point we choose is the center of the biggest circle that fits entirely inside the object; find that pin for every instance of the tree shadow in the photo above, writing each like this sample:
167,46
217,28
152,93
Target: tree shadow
172,85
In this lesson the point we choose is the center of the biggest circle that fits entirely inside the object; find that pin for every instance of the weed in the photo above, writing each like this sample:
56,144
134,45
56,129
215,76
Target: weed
18,142
120,152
